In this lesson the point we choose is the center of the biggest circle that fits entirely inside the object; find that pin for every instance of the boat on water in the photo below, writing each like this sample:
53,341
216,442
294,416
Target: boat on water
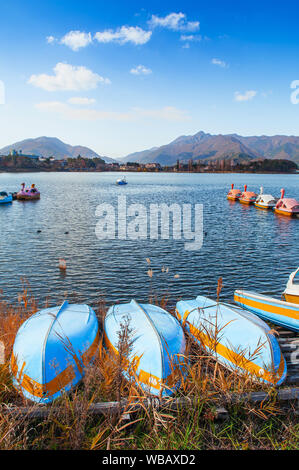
237,339
52,349
121,181
291,292
5,198
247,197
28,194
281,312
233,194
157,345
265,201
287,206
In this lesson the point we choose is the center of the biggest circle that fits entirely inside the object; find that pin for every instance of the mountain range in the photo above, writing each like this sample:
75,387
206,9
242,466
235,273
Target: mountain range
208,147
200,146
51,146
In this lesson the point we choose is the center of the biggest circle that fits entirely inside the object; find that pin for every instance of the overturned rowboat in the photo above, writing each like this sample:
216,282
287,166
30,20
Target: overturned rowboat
238,340
52,349
155,345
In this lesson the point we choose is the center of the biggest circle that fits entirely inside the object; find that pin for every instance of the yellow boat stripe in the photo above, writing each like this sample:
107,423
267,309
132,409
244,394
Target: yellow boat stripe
286,312
57,383
293,299
236,358
143,376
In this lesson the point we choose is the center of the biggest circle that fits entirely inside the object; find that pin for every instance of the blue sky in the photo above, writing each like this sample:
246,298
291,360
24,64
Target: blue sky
125,76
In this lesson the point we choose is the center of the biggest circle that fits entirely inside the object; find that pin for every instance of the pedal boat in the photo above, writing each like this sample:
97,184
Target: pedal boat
233,194
287,206
281,312
265,201
121,181
52,349
28,194
157,345
237,339
5,198
247,197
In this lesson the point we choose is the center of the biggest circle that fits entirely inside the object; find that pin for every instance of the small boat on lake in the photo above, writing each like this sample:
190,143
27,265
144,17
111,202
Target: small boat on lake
5,198
156,345
238,340
28,194
281,312
247,197
233,194
52,349
265,201
121,181
287,206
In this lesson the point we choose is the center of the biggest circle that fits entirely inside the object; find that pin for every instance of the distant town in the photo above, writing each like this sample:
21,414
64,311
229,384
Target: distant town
16,161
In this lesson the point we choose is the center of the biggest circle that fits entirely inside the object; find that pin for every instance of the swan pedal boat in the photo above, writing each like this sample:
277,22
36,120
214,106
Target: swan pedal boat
157,345
233,194
28,194
247,197
237,339
287,206
281,312
5,198
265,201
52,349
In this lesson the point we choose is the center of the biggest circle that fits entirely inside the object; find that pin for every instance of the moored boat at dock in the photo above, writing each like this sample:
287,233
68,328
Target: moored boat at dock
247,197
287,206
265,201
233,194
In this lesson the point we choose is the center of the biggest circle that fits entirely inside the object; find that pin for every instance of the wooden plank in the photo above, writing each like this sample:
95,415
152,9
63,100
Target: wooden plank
125,408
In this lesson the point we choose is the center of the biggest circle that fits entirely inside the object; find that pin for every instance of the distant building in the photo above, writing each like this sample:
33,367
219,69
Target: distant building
19,153
153,166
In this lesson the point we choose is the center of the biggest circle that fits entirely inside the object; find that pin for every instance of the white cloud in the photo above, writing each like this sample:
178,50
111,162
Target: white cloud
123,35
69,78
248,95
140,70
219,62
76,40
50,39
174,21
191,37
168,113
81,100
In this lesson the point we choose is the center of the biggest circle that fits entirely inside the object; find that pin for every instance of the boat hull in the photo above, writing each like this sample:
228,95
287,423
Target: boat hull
276,311
158,343
25,197
52,349
286,213
262,206
233,336
246,201
6,200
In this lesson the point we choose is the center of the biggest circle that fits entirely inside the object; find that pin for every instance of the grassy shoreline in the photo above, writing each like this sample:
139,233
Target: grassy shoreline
70,424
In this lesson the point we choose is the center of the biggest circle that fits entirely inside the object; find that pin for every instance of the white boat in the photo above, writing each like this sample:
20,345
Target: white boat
265,201
121,181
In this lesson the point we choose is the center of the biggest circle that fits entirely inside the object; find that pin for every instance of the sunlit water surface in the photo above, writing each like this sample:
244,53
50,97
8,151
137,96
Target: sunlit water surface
249,248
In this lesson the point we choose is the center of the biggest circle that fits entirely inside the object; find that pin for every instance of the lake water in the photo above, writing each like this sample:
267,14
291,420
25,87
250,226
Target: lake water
249,248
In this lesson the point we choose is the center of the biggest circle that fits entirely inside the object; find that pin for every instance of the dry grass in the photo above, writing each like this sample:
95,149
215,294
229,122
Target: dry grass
70,425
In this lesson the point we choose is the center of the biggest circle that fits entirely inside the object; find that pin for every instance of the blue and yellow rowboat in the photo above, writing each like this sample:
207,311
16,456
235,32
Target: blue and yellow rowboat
52,349
155,345
238,340
282,313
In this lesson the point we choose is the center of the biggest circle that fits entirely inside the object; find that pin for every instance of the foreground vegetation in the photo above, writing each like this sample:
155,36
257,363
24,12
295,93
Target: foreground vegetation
70,425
